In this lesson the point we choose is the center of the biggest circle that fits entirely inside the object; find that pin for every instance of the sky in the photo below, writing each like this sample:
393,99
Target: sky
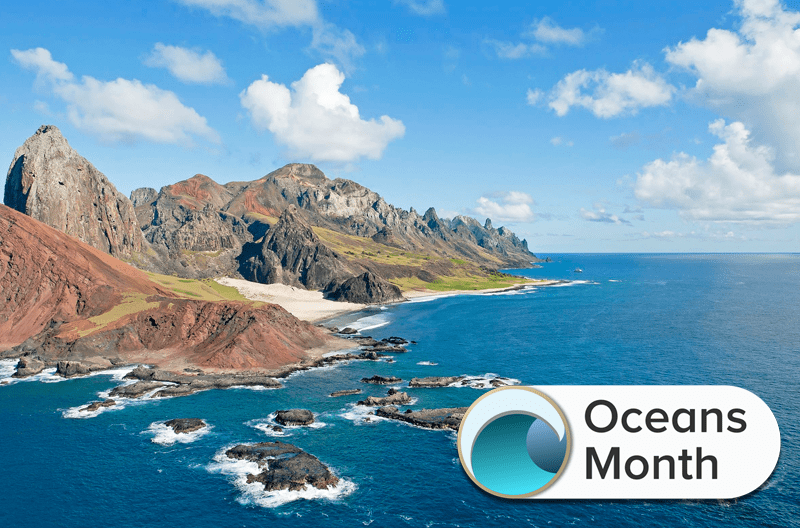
609,126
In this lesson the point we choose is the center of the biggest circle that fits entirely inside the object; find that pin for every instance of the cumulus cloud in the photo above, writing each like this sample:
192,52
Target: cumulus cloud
188,65
423,7
315,120
119,110
513,206
41,61
327,39
599,214
738,183
548,31
611,94
752,74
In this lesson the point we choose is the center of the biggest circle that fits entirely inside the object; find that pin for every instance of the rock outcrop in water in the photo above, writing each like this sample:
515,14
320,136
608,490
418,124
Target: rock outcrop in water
49,181
284,466
381,380
185,425
294,417
447,418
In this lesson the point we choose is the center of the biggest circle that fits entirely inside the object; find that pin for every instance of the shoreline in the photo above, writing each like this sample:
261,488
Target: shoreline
313,307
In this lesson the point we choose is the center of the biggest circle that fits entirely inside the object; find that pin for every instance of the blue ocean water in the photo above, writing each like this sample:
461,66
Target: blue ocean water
627,319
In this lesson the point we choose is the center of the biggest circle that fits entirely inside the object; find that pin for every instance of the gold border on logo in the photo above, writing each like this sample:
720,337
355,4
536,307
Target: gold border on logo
560,469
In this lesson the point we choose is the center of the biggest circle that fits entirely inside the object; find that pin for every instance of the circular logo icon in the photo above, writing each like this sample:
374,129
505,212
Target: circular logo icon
514,442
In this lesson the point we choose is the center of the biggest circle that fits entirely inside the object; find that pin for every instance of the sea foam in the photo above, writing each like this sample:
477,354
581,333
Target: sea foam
166,436
255,494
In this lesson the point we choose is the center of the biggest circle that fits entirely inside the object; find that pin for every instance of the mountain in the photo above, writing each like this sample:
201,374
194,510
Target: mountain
293,226
52,183
61,299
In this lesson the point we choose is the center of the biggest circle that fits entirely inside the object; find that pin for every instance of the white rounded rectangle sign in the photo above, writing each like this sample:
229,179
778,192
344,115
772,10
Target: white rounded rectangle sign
619,442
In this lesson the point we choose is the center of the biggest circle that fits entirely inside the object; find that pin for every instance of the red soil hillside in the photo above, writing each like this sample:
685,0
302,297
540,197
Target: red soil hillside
47,276
51,285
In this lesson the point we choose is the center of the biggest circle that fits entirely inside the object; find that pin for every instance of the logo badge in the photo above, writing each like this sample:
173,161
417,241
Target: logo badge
514,442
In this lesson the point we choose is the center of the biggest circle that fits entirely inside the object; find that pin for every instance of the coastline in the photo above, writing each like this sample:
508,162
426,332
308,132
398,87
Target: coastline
311,306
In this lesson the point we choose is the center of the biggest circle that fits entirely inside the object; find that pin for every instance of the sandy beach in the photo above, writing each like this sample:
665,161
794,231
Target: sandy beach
312,306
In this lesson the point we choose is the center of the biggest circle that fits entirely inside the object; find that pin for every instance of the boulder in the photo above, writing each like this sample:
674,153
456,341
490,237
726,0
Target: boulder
294,417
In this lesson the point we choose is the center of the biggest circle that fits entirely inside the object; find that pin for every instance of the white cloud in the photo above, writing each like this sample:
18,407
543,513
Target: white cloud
41,61
119,110
327,39
265,14
611,94
558,141
548,31
513,206
188,65
599,214
752,74
738,183
423,7
315,120
512,51
534,96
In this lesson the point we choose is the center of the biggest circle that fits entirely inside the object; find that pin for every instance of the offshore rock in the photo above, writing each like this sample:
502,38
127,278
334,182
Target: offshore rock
346,392
94,406
381,380
28,366
185,425
49,181
284,466
434,381
447,418
294,417
394,397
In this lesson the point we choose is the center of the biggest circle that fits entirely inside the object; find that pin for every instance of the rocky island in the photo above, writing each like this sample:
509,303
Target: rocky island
283,466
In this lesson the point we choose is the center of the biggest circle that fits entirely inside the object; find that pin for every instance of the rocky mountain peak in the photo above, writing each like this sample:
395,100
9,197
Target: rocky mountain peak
300,171
49,181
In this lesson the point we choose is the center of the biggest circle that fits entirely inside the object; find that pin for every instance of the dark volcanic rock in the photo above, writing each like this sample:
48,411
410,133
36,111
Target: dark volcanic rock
97,405
294,417
28,366
366,288
394,340
434,381
383,347
292,254
185,425
348,331
381,380
136,390
346,392
394,397
447,418
284,466
69,369
52,183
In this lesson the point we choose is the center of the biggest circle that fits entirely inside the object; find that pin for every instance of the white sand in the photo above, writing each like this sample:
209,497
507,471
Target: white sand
307,305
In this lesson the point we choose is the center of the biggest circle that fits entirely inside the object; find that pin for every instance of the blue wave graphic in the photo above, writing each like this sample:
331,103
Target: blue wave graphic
515,454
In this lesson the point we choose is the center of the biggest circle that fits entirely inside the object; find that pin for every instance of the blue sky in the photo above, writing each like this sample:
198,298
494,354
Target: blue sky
602,126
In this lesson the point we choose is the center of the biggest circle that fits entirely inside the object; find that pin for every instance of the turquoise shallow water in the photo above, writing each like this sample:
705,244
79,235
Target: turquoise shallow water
665,319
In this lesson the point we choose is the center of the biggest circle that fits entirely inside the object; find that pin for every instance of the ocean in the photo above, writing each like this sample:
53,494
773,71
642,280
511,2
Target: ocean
728,319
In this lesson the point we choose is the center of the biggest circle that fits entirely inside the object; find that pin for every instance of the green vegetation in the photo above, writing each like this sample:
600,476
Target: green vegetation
368,249
206,289
131,304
